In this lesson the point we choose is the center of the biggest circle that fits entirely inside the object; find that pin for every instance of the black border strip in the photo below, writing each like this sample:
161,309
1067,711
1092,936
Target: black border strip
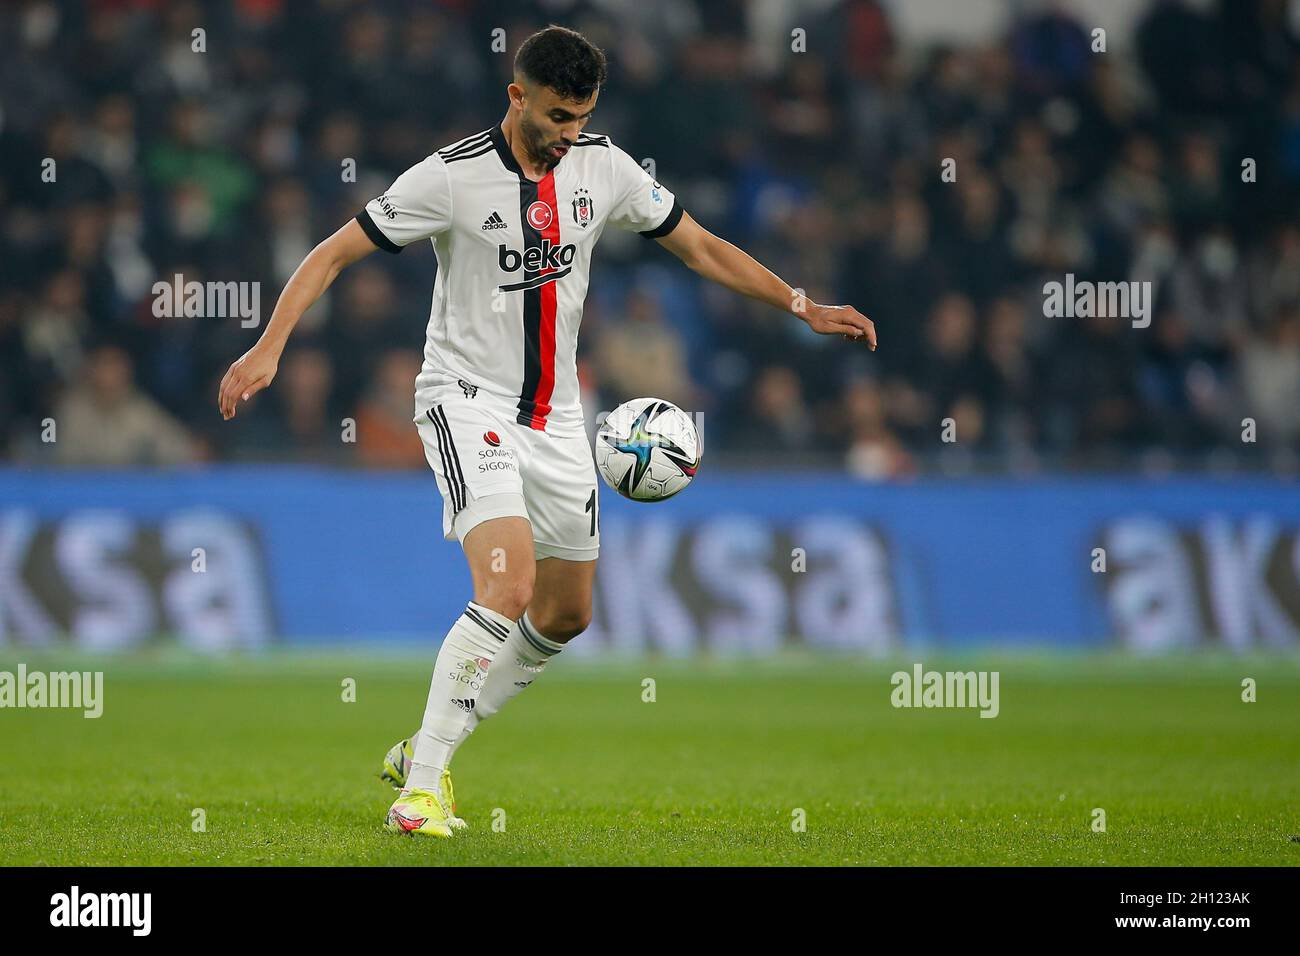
456,502
441,417
481,151
375,234
669,224
464,145
492,627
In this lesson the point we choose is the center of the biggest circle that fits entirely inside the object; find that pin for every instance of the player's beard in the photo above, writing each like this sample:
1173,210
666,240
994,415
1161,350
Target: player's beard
536,144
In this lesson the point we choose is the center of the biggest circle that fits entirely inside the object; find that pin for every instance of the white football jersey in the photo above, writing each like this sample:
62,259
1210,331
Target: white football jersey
514,258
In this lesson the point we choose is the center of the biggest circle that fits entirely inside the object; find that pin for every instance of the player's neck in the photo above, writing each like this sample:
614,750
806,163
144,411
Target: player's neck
531,168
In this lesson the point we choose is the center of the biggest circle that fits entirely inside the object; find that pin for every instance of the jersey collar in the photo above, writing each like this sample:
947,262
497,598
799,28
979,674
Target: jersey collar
508,158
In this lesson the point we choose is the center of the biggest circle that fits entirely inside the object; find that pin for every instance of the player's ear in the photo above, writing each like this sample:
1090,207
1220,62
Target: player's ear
517,93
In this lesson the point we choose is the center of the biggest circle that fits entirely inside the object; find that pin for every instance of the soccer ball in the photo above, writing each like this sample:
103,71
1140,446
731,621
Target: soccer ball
647,449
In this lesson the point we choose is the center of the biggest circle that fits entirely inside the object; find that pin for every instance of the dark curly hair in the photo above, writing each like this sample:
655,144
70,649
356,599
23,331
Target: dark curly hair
562,60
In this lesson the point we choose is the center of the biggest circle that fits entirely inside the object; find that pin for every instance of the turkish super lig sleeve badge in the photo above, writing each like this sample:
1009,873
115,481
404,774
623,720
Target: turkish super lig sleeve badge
584,213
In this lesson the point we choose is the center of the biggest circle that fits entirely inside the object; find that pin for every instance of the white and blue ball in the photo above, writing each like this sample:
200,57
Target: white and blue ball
647,449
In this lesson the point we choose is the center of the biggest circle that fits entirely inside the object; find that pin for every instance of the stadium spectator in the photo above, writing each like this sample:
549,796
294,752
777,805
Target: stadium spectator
779,419
642,355
298,420
1270,372
106,421
228,165
874,452
385,438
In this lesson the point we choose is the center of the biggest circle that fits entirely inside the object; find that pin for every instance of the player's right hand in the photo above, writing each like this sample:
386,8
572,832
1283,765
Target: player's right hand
247,376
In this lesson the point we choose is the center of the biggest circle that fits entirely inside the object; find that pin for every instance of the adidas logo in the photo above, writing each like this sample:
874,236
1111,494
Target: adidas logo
494,221
466,703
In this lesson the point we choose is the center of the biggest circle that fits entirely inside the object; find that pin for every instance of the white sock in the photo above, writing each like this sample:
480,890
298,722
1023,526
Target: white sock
519,661
459,675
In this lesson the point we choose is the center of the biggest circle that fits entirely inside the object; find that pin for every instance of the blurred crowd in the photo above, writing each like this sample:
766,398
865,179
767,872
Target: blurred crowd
1175,163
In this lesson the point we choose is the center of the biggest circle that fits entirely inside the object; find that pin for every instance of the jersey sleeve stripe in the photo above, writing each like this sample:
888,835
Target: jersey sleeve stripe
469,142
668,225
485,148
375,234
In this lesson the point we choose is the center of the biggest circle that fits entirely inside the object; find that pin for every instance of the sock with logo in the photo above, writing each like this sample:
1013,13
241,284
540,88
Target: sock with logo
520,660
459,675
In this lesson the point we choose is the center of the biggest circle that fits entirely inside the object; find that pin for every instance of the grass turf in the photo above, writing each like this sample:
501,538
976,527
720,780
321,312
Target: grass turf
712,772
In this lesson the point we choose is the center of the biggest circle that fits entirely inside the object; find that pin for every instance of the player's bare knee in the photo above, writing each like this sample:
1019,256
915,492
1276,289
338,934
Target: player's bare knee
507,594
563,624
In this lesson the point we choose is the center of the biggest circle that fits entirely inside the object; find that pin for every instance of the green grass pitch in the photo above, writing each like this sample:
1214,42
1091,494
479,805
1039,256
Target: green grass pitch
582,771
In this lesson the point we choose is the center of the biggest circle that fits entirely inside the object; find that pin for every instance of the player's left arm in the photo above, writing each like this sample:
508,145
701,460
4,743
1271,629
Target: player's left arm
716,259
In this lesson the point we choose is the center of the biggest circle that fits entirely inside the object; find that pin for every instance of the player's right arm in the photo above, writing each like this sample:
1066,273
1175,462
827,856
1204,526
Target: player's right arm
416,206
255,369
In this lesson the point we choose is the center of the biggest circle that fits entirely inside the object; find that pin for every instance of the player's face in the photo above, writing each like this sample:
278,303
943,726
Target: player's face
550,124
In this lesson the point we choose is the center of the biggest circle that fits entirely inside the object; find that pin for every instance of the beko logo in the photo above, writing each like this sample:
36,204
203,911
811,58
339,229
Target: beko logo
557,259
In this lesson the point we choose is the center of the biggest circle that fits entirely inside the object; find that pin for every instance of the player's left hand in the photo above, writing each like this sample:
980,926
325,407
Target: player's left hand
841,320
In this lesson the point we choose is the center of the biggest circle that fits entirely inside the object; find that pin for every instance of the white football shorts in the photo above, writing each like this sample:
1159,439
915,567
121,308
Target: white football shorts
490,466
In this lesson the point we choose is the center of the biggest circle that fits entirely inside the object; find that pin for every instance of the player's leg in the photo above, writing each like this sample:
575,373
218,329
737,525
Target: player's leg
486,511
561,605
560,611
500,555
559,481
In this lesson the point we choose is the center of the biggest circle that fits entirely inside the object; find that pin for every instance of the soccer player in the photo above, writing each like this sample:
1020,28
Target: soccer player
514,213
